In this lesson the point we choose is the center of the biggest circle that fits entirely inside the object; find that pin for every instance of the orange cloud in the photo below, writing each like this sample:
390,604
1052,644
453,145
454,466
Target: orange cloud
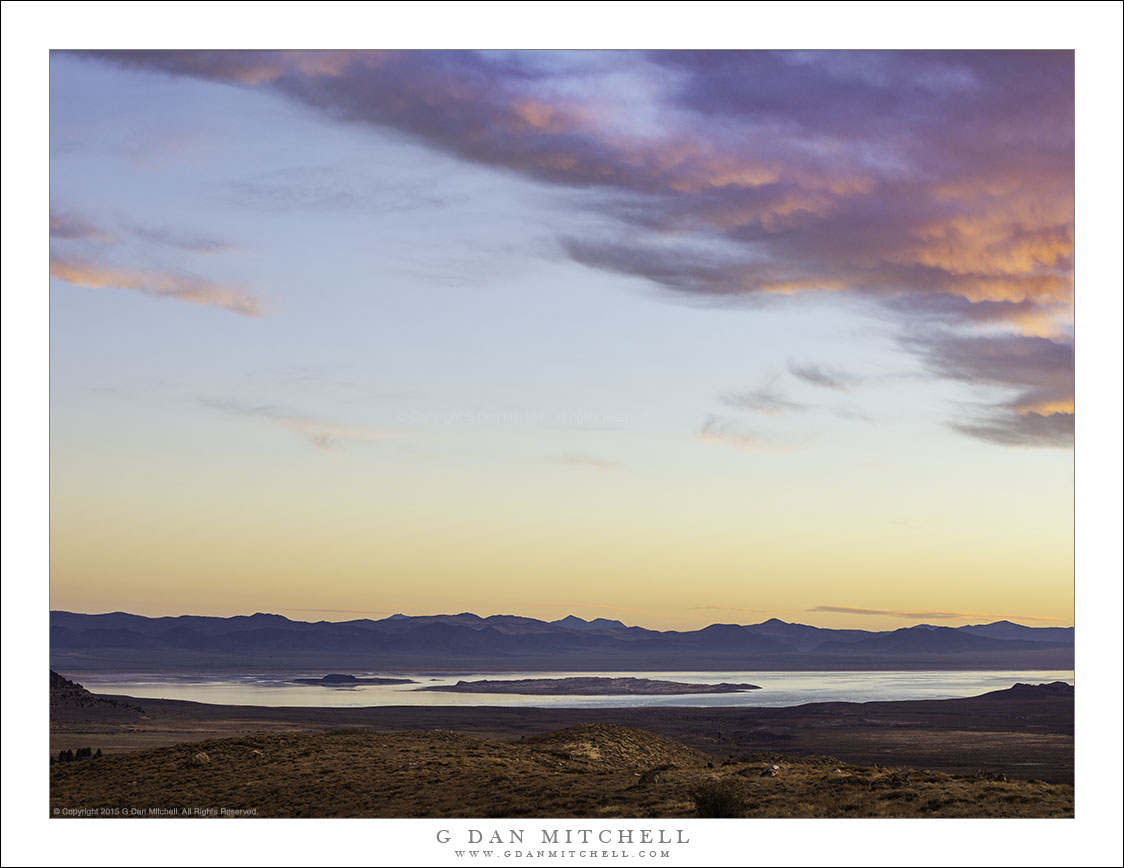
157,284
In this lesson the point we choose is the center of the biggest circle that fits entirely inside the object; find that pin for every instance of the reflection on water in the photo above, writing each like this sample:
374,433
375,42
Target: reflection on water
778,688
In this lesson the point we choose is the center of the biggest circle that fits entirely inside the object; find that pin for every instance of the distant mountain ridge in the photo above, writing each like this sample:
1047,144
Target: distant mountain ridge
1011,630
121,640
573,622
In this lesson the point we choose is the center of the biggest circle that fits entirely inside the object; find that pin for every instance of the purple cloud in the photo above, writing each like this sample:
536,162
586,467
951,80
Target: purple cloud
1036,376
938,185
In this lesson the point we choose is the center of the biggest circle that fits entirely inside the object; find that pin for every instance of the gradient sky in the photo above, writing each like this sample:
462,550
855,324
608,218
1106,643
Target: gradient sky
673,338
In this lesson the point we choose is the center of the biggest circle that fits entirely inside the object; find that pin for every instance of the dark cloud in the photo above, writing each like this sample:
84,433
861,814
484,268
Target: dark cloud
824,377
1036,375
1022,429
895,97
1041,370
683,270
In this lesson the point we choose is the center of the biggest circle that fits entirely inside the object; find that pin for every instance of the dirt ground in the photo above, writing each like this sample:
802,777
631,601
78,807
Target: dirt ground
589,771
1025,739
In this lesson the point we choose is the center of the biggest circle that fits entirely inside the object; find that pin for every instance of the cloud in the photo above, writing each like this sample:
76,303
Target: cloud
937,185
715,430
1038,370
695,272
732,609
484,109
320,433
823,377
182,241
893,613
70,226
243,67
929,616
764,400
1024,429
588,462
946,173
1027,317
158,284
1036,376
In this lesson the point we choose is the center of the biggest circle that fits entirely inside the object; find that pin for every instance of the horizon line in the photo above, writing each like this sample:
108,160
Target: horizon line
402,615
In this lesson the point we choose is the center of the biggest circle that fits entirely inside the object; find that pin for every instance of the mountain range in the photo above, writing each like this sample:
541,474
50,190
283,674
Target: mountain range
462,642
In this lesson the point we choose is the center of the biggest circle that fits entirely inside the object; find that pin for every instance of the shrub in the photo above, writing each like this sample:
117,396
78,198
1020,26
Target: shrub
725,798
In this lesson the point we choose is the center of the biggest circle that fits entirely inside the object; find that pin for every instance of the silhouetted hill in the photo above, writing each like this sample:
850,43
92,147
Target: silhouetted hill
119,640
1053,690
1010,630
572,622
925,638
71,701
803,637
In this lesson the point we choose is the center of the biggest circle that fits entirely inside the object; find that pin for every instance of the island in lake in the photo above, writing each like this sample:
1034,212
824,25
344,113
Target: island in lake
589,687
338,680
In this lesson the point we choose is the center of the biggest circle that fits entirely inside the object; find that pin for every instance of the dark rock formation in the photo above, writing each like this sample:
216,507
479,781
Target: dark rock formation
338,680
590,686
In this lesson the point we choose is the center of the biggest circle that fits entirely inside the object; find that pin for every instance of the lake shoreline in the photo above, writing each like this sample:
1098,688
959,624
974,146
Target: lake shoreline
775,689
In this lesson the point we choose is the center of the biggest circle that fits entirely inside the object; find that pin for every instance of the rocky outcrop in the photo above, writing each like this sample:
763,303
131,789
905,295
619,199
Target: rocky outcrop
339,680
71,700
590,686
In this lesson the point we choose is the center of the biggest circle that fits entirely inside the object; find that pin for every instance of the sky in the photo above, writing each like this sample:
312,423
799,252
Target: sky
673,337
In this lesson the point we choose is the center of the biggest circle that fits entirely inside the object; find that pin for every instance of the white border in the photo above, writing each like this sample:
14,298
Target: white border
1093,29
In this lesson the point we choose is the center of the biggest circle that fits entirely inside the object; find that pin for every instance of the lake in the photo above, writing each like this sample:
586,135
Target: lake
778,688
